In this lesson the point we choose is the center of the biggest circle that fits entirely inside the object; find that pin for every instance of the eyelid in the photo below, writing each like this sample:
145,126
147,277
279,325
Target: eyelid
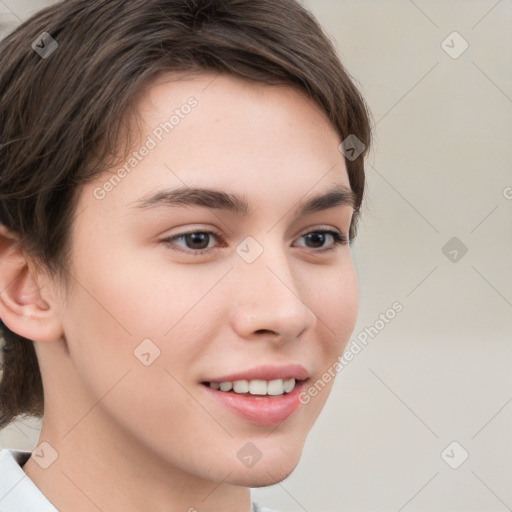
305,231
320,227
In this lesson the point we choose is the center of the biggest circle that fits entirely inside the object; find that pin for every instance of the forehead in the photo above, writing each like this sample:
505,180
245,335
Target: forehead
223,99
222,132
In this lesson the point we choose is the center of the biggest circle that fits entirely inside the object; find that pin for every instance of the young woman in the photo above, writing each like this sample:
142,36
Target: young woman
180,182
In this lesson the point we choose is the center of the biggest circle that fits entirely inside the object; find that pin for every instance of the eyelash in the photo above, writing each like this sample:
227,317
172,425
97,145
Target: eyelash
338,237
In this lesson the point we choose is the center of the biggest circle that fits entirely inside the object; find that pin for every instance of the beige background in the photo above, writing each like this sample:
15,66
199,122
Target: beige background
440,371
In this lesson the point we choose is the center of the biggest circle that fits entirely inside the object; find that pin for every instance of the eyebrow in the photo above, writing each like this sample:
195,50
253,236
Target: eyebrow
339,195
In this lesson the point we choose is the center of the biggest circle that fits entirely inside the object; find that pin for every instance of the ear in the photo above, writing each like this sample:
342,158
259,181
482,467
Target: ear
23,309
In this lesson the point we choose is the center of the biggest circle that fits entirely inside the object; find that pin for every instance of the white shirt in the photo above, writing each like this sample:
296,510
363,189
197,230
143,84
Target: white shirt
19,494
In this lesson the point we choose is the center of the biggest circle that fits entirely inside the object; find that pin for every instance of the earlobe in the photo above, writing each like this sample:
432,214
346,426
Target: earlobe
22,308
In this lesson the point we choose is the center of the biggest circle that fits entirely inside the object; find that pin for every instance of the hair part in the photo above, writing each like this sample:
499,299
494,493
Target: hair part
65,118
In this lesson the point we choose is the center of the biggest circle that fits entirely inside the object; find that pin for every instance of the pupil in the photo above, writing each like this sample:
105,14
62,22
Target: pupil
318,237
197,237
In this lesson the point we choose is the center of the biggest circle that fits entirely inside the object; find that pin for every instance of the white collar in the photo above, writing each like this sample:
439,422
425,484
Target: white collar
17,492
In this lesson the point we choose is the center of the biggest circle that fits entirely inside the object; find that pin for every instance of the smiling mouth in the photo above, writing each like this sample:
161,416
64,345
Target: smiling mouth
256,387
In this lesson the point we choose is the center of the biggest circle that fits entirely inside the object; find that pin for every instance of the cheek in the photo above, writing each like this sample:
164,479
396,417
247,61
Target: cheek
124,363
336,305
348,303
130,297
122,309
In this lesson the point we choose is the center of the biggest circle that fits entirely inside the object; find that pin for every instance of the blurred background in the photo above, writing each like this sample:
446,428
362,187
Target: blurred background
420,417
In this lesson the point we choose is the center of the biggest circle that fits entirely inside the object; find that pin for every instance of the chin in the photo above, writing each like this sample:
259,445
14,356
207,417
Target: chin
265,473
265,480
262,478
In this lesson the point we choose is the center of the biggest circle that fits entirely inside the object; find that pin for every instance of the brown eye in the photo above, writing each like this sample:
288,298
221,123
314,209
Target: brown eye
195,241
318,238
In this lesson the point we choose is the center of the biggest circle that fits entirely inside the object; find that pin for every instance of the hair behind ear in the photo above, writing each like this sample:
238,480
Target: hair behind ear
21,386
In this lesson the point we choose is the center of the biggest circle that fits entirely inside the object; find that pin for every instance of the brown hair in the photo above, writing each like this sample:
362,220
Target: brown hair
62,116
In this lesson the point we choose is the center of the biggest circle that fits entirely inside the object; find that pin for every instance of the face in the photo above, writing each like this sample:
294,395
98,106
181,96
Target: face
258,293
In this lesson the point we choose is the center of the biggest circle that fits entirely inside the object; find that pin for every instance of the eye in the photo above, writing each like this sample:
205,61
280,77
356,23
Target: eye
319,236
197,241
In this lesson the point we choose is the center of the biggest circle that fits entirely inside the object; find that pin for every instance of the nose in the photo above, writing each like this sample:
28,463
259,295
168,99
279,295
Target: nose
270,298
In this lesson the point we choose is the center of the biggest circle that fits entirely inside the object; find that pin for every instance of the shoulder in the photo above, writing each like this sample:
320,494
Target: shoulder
17,491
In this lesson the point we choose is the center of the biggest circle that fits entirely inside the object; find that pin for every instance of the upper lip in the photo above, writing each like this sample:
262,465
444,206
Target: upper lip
266,372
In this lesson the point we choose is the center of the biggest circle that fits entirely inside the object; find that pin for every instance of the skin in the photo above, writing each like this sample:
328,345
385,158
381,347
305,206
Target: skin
133,437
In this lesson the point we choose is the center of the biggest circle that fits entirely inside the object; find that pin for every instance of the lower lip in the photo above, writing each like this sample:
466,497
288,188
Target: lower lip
261,410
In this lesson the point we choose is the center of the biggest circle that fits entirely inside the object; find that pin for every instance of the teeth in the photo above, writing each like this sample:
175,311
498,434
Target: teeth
275,387
256,386
288,385
225,386
241,386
